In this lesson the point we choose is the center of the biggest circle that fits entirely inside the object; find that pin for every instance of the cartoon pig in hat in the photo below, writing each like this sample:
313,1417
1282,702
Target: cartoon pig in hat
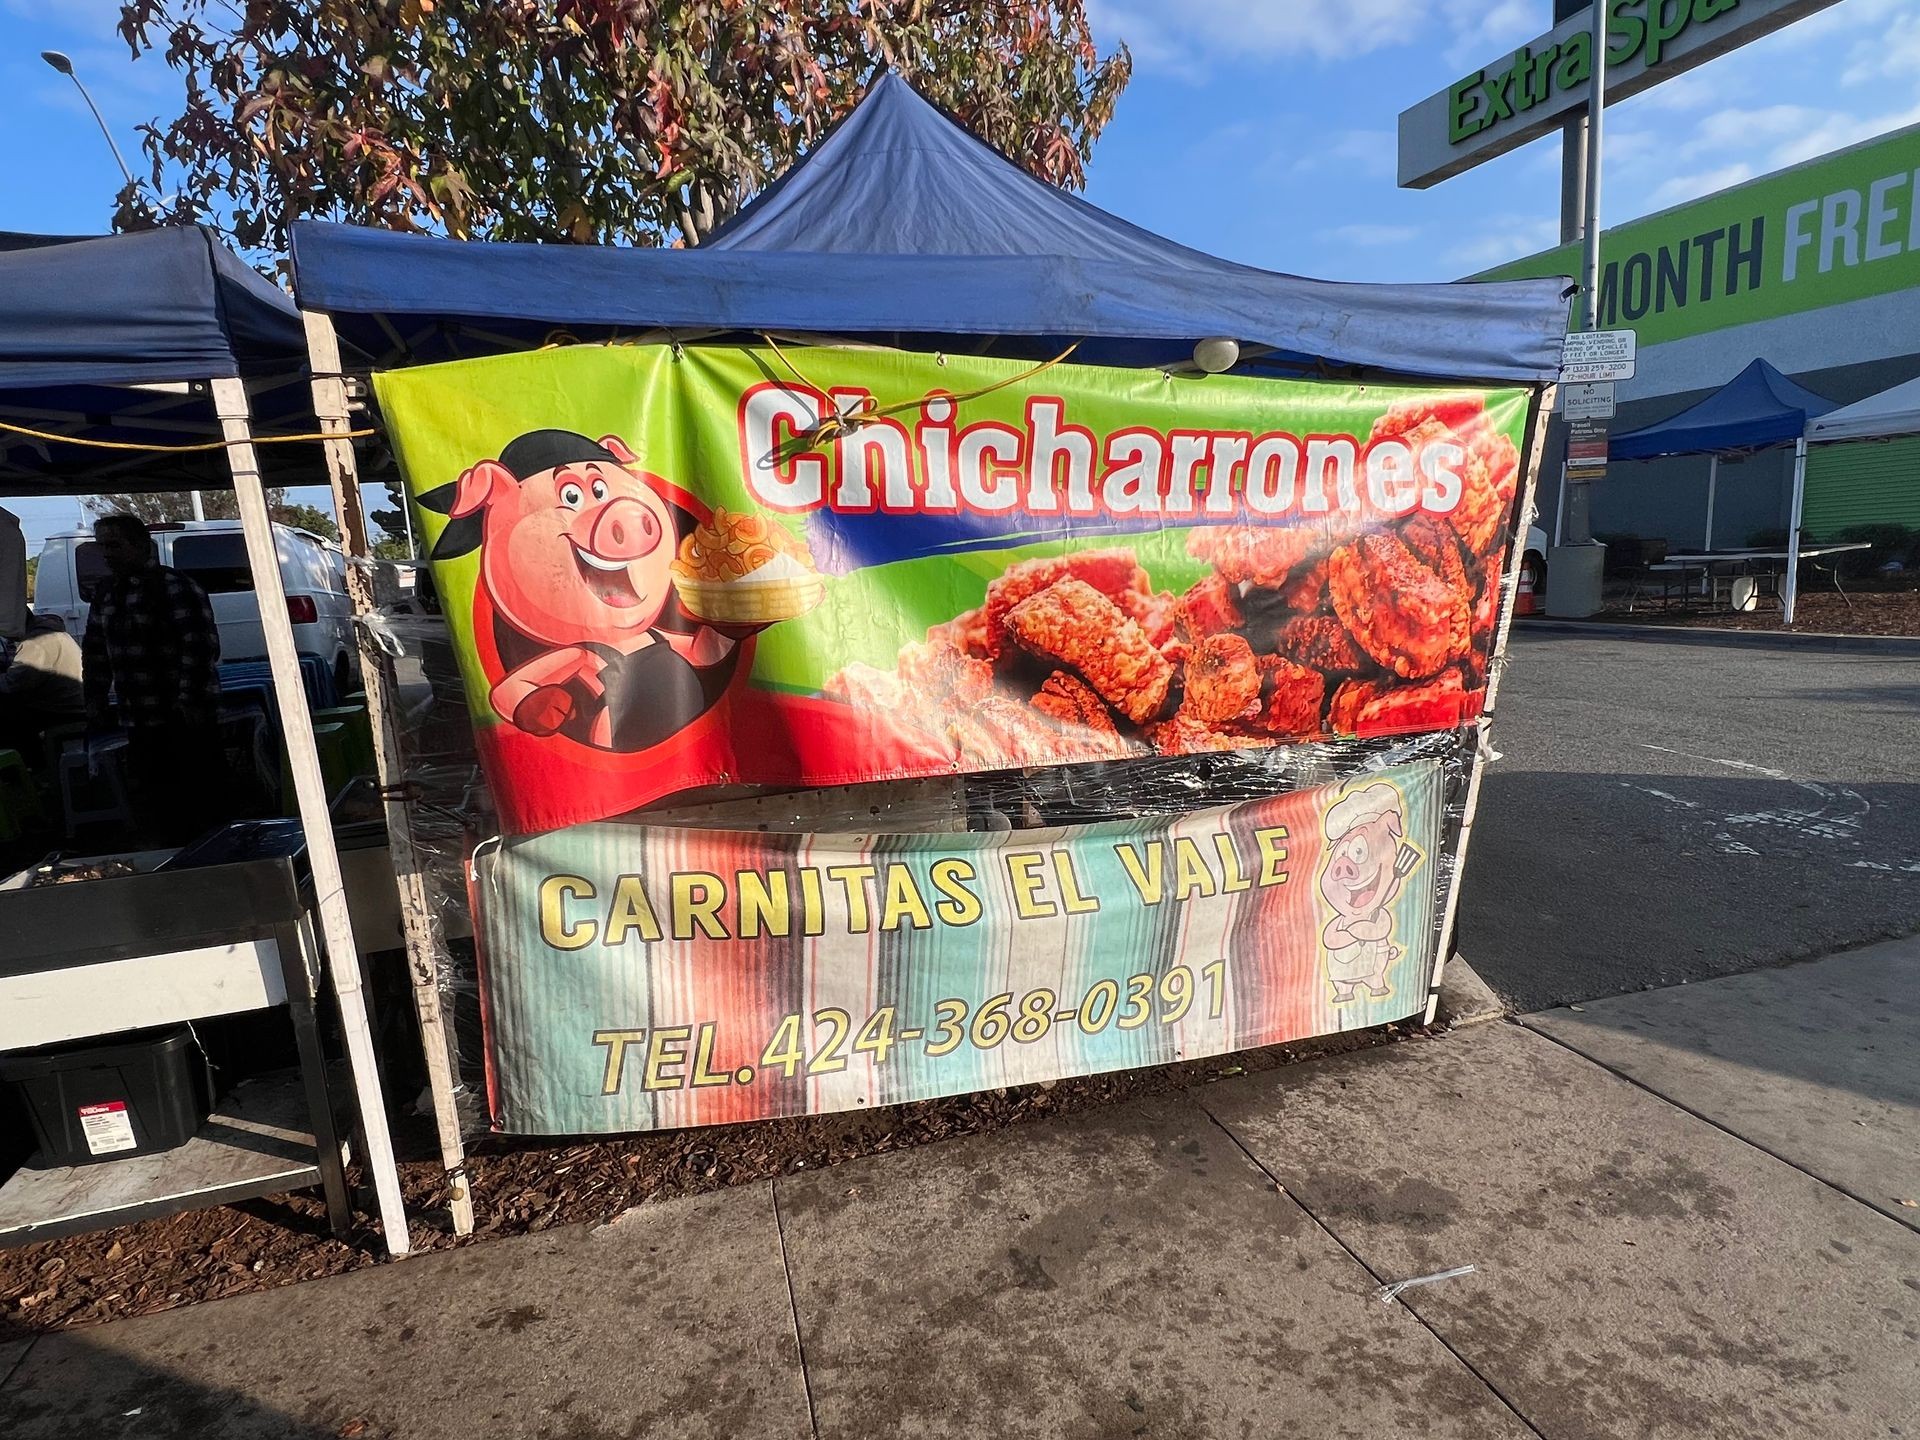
1367,862
574,545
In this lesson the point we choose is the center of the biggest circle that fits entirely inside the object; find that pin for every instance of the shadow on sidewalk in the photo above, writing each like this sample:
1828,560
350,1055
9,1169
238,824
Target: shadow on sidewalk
68,1385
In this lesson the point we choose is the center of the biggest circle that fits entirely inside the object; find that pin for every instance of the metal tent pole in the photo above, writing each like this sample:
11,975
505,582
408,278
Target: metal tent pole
376,668
1790,595
330,896
1713,482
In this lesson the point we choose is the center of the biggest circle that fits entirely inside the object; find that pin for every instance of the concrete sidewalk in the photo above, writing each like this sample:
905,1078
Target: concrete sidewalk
1201,1265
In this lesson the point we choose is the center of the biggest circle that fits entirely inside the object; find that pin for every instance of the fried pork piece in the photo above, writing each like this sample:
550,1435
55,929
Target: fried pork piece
1306,589
1322,643
1154,613
1447,412
1433,542
1070,700
867,688
1490,474
1405,615
1186,735
1114,573
1295,696
1491,479
1223,682
1258,554
1368,707
1209,608
998,732
1073,624
939,670
966,632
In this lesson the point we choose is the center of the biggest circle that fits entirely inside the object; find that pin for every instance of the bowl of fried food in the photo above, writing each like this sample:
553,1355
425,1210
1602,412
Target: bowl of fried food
740,568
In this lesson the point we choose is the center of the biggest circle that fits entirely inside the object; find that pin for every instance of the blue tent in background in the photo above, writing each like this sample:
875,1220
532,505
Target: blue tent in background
902,229
1756,409
84,317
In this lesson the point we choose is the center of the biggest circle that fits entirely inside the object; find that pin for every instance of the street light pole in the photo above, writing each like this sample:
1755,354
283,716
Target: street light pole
65,67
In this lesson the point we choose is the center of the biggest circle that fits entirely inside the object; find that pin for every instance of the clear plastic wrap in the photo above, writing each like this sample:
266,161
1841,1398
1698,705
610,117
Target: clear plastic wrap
448,803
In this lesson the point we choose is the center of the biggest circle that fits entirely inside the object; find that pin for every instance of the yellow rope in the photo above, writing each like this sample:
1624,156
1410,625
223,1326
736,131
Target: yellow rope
196,448
835,423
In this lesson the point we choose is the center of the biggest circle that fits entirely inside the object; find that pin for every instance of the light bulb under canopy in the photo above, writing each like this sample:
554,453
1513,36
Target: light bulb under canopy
1216,353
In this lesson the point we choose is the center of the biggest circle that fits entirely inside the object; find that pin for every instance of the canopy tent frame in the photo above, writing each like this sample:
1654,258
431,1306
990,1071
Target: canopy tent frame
124,342
1758,409
952,275
424,946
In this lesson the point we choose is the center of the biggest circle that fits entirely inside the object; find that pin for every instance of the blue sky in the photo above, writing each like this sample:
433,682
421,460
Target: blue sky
1262,130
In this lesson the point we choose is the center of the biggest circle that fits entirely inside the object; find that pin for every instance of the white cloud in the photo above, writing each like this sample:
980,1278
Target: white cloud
1371,236
1893,54
1369,153
1186,40
1501,238
1836,132
1680,188
1182,40
1489,30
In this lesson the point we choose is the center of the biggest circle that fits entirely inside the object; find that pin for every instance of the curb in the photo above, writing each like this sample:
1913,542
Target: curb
1710,635
1465,999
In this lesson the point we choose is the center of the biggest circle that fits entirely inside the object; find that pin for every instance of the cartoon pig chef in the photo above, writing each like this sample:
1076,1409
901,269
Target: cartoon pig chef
1366,864
574,548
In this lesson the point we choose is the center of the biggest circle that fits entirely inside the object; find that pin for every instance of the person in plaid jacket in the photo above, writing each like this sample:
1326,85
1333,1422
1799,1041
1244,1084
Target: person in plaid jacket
151,662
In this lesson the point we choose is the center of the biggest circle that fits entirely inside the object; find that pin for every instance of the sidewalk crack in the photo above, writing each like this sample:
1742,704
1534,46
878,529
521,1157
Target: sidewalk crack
1378,1278
793,1310
14,1369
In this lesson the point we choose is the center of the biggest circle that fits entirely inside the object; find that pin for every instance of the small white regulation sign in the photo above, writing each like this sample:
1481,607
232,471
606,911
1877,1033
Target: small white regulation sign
1587,402
1591,355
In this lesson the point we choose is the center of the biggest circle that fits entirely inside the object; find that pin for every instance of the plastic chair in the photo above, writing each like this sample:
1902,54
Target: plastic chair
81,800
359,734
333,745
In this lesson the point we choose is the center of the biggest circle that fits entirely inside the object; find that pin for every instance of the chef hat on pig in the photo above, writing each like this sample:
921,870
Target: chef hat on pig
1357,807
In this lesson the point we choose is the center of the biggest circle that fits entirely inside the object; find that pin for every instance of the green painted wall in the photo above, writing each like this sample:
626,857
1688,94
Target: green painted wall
1865,482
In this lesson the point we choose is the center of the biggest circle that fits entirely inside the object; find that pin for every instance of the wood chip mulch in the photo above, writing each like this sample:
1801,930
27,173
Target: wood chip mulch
1816,612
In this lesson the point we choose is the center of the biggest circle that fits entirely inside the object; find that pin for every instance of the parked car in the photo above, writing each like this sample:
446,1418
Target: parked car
1533,563
312,568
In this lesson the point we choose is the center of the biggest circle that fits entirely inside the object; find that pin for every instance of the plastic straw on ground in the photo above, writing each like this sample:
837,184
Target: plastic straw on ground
1390,1293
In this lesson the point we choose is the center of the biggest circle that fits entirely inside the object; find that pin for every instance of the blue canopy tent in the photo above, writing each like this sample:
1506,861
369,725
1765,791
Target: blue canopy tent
160,339
116,338
1756,410
901,228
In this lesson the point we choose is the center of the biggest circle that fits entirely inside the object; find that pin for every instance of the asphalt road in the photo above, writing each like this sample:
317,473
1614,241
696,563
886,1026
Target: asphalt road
1666,812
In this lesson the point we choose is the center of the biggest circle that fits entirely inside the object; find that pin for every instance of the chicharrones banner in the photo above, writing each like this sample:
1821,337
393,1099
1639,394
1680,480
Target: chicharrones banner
662,571
636,977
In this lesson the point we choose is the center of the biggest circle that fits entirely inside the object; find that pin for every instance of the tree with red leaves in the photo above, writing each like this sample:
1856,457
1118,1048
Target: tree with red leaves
640,122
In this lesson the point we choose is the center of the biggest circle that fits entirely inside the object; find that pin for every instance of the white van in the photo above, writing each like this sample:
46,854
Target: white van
214,552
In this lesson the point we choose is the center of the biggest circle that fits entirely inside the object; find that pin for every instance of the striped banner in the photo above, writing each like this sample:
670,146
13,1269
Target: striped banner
640,978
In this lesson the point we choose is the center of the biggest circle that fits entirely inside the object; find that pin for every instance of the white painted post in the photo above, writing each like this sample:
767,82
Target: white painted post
376,669
1713,481
1791,593
330,895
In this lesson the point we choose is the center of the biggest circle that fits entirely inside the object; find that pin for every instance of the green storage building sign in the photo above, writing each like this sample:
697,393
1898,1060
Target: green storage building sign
1840,228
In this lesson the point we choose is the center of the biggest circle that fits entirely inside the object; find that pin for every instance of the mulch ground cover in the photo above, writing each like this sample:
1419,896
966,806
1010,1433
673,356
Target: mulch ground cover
521,1187
1815,613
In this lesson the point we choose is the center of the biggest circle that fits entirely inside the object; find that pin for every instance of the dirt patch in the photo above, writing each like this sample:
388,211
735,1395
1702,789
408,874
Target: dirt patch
1815,613
525,1186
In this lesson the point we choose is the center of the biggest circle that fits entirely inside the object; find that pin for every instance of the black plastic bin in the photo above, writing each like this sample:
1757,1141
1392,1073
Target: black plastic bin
132,1094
